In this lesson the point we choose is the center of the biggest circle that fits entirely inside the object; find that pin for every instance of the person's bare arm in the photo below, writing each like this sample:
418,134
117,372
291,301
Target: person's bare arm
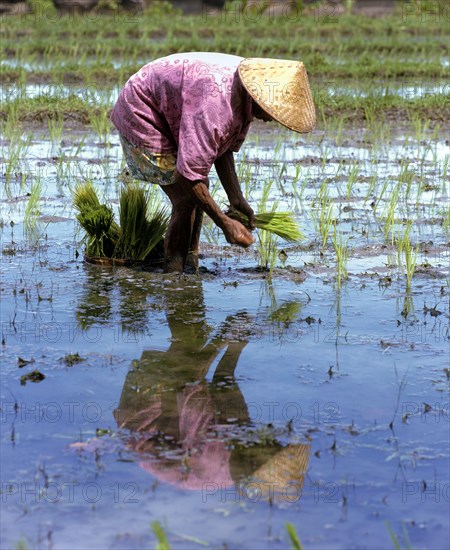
234,231
227,174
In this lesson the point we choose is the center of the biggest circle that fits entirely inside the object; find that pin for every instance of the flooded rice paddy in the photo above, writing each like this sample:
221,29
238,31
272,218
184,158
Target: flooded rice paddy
225,405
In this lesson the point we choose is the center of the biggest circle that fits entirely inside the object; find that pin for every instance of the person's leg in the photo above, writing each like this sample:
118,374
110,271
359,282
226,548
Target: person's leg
178,237
196,230
192,259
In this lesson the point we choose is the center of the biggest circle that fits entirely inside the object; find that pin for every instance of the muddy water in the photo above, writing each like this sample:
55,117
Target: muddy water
225,405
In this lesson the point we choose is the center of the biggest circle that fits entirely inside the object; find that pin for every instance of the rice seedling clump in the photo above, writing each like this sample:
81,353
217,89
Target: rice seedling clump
140,235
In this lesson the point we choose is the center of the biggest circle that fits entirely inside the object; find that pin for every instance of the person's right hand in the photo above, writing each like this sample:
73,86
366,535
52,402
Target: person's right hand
236,233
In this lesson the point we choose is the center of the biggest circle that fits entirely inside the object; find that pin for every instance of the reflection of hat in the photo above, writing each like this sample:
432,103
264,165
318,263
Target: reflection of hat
281,477
281,88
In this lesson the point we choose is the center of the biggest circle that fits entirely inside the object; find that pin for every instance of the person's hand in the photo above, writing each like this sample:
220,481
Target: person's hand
236,233
243,206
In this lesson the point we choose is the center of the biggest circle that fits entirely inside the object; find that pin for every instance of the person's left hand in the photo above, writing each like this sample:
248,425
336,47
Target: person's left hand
242,205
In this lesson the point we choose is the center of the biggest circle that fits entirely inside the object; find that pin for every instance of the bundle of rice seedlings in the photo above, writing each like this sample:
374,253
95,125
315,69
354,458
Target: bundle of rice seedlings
141,231
156,229
139,235
280,223
97,220
85,197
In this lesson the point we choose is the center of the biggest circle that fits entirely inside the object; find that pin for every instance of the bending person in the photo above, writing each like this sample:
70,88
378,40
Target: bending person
180,115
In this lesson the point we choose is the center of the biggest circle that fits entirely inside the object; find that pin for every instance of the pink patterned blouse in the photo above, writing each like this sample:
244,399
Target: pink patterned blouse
192,105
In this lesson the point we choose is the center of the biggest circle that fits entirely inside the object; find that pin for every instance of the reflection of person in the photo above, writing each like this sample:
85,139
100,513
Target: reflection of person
191,431
179,115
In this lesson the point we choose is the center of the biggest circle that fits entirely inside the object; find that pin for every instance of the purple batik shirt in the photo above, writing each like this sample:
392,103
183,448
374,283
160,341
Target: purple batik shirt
192,105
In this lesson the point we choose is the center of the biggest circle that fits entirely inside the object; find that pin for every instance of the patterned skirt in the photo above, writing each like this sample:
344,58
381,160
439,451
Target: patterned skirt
143,164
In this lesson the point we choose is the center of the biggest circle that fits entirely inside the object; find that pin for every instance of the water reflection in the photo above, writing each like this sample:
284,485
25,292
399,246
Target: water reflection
183,412
95,304
116,296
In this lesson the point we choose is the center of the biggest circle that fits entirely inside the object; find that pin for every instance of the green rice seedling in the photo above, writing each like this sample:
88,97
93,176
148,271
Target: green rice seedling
446,220
10,128
298,172
410,253
267,250
154,199
278,223
273,224
324,219
389,213
32,212
248,183
139,235
85,197
395,540
17,153
353,174
381,194
299,190
406,306
267,240
372,185
101,123
280,177
98,223
133,216
443,169
55,128
370,116
420,129
378,131
406,178
323,223
407,255
76,152
293,536
12,164
430,144
421,183
156,228
97,219
277,148
334,126
341,250
161,537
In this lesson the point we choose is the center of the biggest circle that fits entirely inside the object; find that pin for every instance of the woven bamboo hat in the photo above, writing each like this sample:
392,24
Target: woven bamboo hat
281,88
282,476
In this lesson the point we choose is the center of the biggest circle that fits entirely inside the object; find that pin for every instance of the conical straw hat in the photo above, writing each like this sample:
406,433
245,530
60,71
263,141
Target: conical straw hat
281,88
282,476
